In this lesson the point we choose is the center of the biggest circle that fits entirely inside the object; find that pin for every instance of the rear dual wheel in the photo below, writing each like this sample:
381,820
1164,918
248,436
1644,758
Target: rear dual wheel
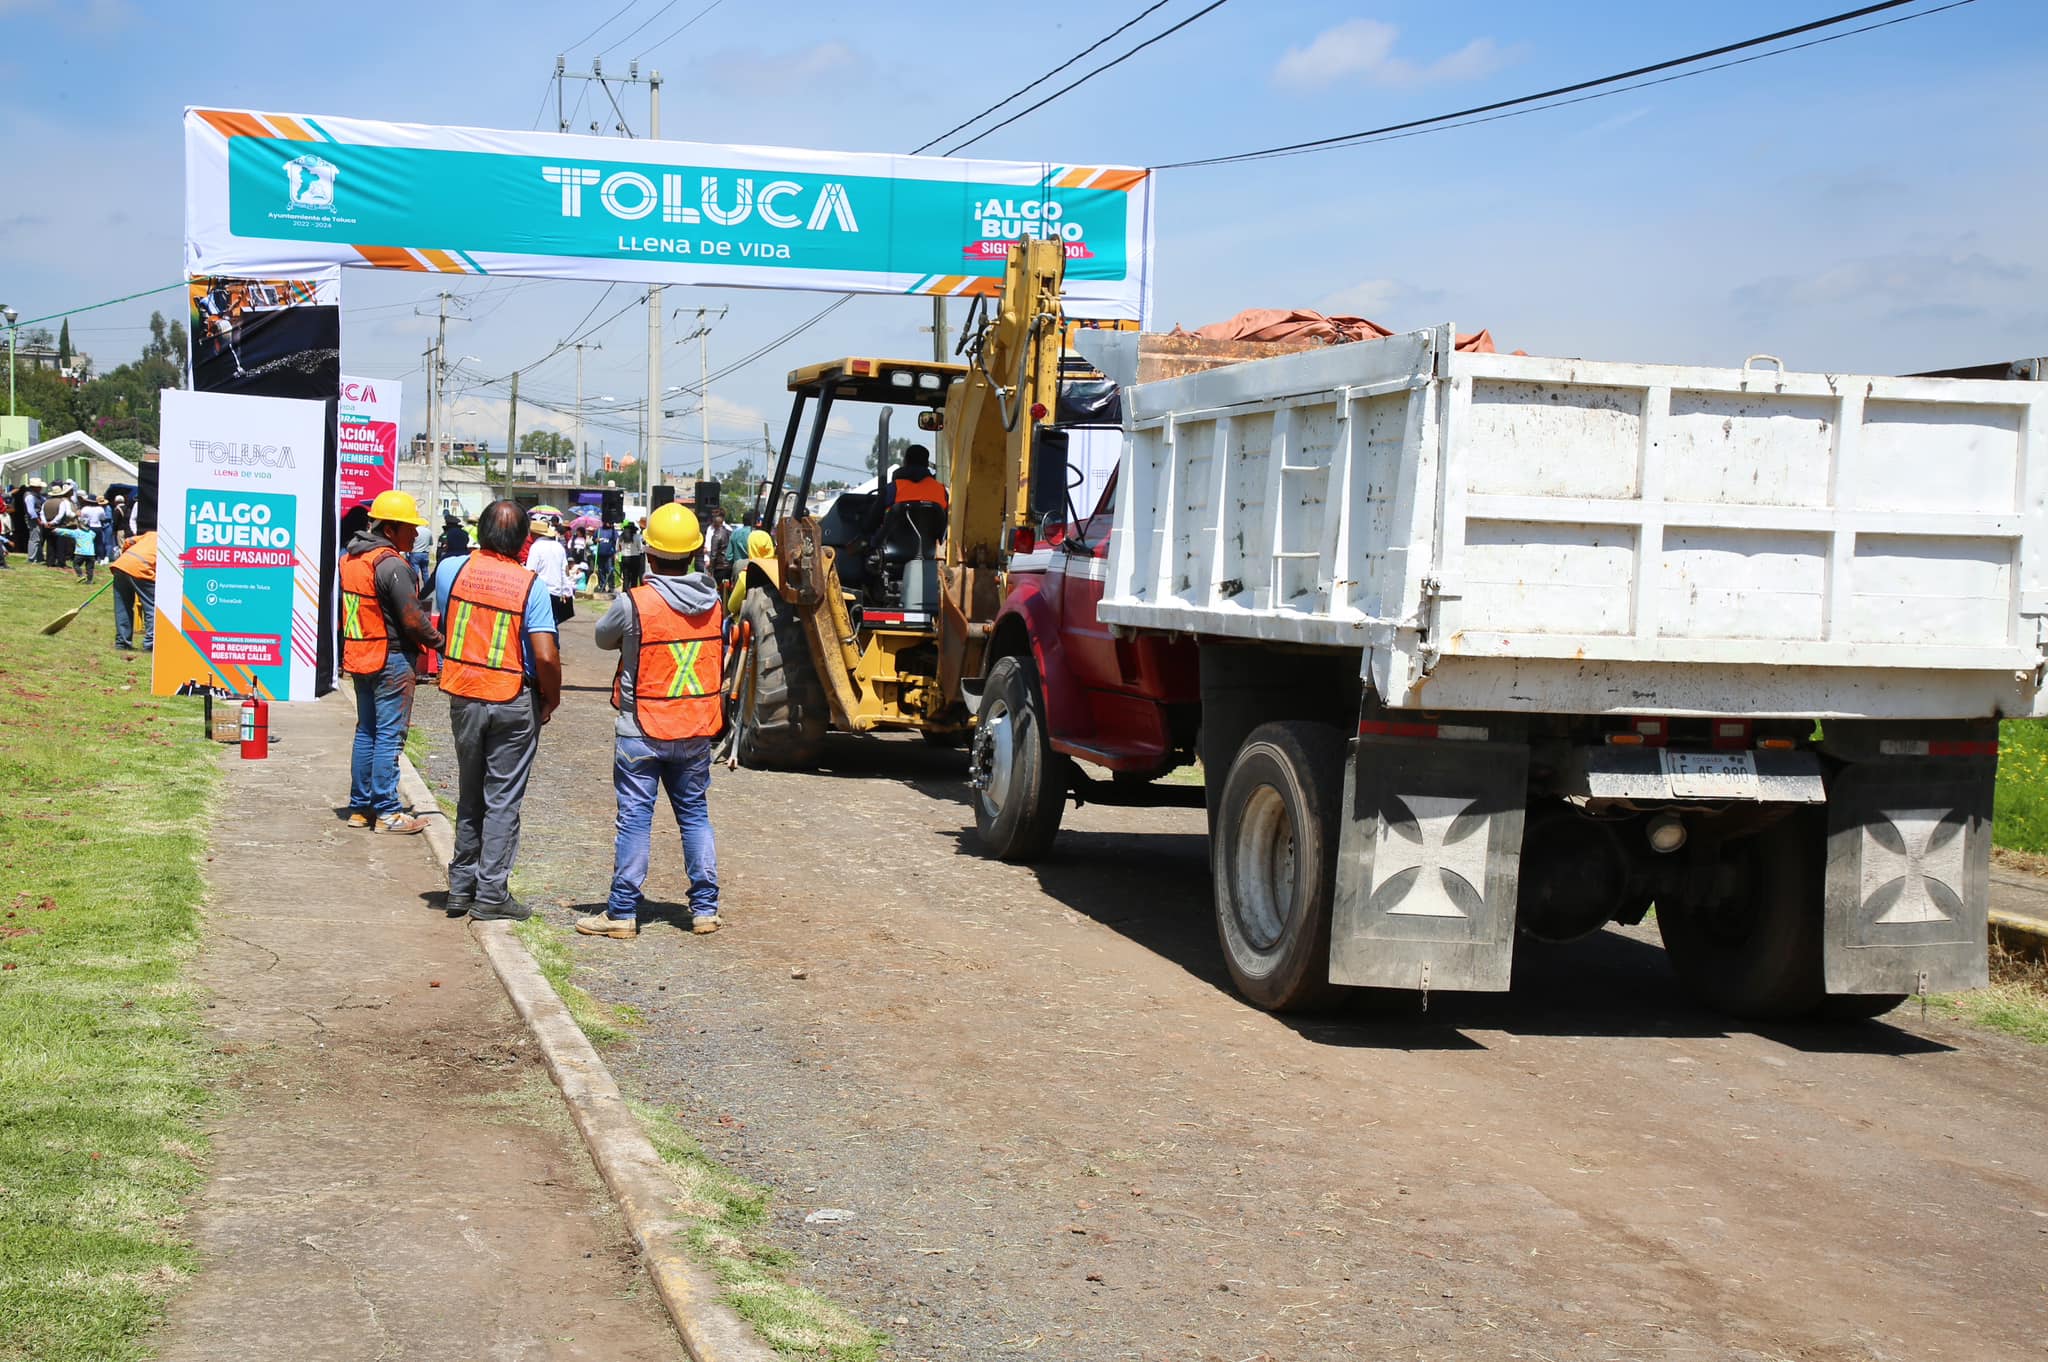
1274,860
1758,955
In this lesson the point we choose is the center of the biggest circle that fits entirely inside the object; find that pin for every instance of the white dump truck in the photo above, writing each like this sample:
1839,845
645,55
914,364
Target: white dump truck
1495,645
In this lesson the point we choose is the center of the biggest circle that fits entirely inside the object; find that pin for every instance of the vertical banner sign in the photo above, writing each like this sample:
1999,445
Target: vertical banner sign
368,431
243,502
284,193
279,336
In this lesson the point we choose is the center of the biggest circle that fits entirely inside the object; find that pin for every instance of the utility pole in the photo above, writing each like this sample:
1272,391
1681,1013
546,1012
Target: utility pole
511,439
650,455
943,451
704,383
437,383
581,346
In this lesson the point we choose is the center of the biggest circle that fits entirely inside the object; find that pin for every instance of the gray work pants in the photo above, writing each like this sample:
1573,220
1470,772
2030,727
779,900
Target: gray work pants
495,744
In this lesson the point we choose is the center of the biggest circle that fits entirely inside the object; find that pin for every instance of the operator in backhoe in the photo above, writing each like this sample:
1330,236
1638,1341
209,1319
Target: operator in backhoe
669,637
914,481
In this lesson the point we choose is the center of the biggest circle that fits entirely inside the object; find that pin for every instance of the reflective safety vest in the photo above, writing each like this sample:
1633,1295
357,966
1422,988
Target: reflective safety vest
138,560
676,670
485,657
920,489
365,634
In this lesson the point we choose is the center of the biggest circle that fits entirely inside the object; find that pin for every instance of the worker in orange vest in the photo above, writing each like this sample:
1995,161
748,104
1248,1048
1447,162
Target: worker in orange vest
913,481
502,674
383,630
135,582
669,637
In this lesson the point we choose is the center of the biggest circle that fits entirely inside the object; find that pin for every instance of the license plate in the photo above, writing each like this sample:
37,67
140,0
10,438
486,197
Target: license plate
1711,775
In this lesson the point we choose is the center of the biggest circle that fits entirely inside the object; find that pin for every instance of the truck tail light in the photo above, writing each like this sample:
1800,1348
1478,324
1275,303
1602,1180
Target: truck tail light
1386,728
1641,733
1731,735
1022,540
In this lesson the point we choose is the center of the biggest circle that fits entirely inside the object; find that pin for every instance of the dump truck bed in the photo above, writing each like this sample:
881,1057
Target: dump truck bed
1572,536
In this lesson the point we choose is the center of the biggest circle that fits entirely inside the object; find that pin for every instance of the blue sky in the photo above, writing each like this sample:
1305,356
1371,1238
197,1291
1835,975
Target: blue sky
1870,204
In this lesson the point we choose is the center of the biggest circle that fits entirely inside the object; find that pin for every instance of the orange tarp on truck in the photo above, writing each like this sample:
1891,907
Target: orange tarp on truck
1300,324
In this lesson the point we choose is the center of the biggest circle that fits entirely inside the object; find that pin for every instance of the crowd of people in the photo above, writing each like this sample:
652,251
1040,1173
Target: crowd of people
492,606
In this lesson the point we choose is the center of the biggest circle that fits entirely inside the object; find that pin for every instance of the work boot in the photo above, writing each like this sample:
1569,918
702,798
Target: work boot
604,924
511,910
358,819
458,904
704,924
402,823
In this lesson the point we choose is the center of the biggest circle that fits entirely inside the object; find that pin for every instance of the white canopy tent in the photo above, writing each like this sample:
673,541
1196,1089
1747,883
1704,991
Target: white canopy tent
22,463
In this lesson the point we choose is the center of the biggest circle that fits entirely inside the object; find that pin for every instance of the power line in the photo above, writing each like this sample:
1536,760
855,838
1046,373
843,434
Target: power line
1324,143
1114,61
1147,11
601,27
673,32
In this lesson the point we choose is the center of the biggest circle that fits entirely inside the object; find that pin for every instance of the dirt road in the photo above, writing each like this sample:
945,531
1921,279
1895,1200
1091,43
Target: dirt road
1059,1133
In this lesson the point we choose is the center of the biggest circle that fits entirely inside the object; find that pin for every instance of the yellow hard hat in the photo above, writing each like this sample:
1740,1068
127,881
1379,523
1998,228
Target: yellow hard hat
760,545
398,507
672,531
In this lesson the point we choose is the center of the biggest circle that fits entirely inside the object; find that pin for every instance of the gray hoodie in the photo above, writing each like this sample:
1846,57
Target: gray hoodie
398,591
693,593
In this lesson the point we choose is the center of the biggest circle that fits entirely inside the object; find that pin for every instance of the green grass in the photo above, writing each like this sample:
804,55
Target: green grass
104,798
2020,809
604,1023
757,1279
2016,1003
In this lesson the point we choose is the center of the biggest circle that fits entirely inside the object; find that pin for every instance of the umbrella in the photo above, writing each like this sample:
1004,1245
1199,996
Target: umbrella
546,510
585,522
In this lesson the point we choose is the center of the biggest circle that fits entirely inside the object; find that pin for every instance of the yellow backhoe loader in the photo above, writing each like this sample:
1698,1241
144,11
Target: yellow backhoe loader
867,617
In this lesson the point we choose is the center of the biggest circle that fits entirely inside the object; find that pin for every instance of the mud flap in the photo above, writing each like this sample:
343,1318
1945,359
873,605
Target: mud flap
1428,861
1908,876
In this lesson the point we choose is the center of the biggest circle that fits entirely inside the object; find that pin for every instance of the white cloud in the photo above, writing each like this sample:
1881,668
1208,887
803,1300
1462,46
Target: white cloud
1362,50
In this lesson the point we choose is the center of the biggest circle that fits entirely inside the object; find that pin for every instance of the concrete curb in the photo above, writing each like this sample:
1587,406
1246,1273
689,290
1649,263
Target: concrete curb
710,1330
2020,934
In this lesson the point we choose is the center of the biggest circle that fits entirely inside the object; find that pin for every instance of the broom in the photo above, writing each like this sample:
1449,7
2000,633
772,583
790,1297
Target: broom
58,625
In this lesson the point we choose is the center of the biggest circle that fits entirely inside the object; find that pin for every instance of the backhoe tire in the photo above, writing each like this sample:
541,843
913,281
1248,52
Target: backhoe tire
1020,782
1758,956
1275,863
782,703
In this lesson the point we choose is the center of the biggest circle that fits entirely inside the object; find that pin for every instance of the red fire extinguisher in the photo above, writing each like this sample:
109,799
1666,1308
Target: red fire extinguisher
255,728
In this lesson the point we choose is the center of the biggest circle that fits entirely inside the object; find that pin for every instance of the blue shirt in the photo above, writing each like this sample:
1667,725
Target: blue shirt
540,612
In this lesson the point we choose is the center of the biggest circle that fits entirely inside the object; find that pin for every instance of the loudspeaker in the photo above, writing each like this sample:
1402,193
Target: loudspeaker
707,497
145,495
614,508
664,493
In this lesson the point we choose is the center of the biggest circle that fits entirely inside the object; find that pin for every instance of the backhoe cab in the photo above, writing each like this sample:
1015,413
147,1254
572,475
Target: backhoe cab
867,619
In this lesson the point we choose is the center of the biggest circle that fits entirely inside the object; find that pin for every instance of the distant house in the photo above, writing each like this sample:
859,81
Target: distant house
47,357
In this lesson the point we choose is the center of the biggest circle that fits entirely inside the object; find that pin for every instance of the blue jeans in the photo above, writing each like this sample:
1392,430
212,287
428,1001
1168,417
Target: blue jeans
605,564
383,713
682,767
127,592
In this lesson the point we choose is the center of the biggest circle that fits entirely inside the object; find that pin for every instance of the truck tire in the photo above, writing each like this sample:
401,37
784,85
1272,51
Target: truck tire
782,703
1275,859
1020,782
1758,955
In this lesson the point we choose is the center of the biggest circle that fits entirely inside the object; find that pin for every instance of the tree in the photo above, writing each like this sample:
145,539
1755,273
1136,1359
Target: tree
545,443
64,344
736,489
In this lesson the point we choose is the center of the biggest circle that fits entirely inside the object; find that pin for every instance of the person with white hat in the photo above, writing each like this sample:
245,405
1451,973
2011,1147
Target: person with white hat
549,561
383,630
